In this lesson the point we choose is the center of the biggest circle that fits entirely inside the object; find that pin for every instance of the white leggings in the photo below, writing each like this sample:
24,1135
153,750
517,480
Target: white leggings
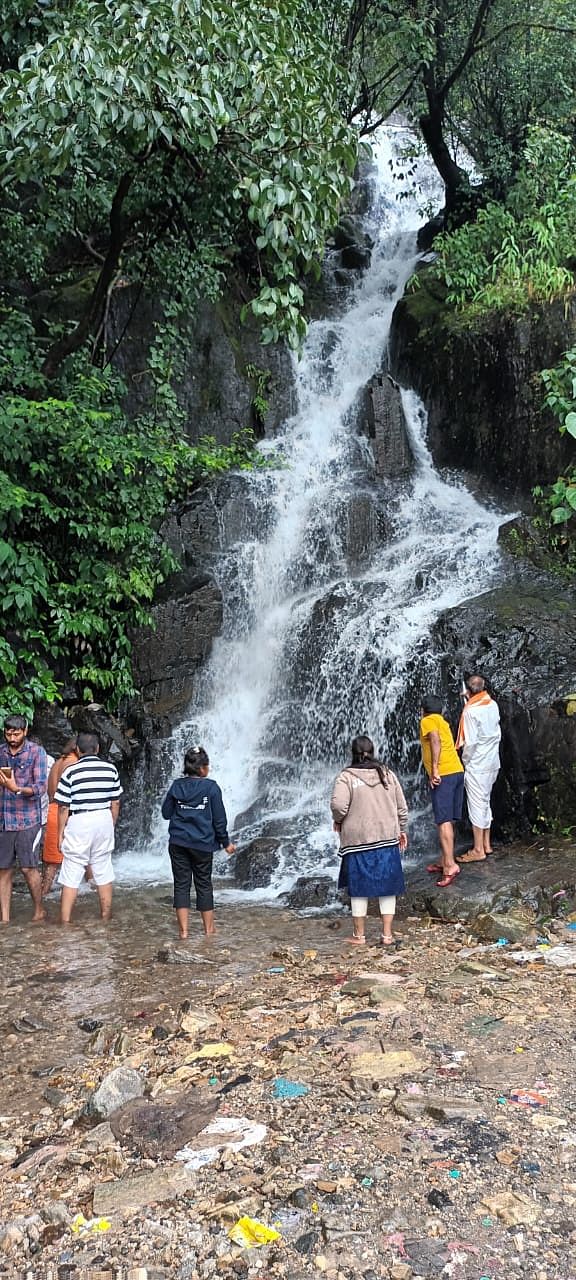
360,906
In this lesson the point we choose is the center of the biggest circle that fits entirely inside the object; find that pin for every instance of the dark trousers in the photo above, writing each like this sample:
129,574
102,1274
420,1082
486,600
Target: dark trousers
188,865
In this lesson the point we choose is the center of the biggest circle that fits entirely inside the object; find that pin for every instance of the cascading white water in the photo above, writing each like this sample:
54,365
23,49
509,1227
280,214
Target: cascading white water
319,642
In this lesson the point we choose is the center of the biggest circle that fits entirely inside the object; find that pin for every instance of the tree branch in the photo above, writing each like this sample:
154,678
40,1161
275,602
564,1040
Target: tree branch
472,44
91,319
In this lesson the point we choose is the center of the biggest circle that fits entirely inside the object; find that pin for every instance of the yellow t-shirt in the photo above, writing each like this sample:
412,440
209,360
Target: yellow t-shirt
449,759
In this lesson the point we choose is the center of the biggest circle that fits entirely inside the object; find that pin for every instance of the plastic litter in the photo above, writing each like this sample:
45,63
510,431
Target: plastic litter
251,1234
454,1173
218,1049
438,1199
277,968
82,1226
228,1134
284,1089
528,1098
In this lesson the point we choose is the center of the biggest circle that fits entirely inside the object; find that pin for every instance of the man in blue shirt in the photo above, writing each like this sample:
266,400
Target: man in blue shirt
23,778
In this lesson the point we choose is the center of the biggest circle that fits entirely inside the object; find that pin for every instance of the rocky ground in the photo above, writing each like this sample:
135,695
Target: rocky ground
395,1113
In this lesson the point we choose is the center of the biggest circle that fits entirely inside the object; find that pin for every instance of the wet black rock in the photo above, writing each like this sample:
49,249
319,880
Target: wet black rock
356,258
382,419
481,385
523,639
428,232
311,891
255,863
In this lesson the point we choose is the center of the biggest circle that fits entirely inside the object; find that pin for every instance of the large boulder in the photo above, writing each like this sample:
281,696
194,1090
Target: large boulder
522,637
382,419
255,863
481,386
223,370
186,618
311,891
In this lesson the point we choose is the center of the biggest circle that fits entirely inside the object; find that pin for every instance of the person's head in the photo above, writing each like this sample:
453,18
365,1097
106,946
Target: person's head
15,730
70,748
475,684
362,749
196,763
363,754
87,744
432,705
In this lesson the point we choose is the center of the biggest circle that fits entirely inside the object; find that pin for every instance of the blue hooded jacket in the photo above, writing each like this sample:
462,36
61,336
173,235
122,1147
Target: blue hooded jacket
197,814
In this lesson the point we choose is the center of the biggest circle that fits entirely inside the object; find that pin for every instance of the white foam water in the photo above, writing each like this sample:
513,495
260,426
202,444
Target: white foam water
320,643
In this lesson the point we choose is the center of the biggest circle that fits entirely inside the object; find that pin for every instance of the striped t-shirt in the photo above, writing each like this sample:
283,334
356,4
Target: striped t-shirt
89,784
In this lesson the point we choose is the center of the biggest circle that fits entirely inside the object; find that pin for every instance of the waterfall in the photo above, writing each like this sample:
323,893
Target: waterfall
330,601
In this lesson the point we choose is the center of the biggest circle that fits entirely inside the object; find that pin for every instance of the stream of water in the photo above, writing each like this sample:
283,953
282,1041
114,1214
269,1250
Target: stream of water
330,600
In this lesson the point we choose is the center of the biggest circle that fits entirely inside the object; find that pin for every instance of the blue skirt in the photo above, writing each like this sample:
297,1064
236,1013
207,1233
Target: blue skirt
372,873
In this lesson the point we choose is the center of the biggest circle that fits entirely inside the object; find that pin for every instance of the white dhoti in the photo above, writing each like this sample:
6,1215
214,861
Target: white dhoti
478,785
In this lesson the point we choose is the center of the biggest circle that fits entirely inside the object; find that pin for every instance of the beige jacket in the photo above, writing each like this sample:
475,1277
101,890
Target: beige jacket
369,814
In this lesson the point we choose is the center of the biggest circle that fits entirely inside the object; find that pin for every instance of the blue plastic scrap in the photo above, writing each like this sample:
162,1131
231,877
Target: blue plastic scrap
284,1089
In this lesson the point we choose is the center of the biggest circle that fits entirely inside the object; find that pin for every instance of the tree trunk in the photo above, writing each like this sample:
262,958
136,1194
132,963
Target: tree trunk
91,320
455,179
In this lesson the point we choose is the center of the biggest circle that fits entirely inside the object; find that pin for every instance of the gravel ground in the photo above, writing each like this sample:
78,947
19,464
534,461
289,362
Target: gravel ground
406,1113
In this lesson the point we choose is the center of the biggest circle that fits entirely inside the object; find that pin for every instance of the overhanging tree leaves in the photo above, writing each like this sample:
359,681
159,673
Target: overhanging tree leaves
151,102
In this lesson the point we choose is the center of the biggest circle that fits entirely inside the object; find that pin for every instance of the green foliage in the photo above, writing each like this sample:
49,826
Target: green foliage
260,379
521,251
560,500
82,496
186,124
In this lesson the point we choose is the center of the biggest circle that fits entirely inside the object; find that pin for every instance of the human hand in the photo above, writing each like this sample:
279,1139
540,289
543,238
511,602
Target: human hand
7,781
230,848
435,780
403,841
336,826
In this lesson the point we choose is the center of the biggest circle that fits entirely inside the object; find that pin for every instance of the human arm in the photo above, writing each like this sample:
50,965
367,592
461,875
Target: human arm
63,815
435,748
220,821
402,811
168,805
340,801
115,810
39,774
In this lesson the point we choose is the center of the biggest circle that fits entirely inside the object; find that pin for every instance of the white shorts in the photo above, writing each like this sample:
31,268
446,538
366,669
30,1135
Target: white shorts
88,842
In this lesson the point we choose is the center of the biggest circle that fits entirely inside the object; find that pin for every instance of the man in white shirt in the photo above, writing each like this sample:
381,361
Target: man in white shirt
88,795
479,737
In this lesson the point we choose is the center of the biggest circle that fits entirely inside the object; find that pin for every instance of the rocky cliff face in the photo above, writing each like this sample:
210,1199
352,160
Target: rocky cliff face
523,638
481,386
218,384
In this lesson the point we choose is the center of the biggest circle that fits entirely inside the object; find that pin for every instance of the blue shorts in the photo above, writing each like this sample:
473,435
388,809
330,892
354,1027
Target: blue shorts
448,798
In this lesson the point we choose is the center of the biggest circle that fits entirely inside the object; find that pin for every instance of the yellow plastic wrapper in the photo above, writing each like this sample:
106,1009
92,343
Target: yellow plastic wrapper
250,1233
218,1049
80,1225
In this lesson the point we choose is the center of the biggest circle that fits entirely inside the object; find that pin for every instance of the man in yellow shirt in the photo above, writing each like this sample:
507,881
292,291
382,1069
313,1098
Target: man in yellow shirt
442,764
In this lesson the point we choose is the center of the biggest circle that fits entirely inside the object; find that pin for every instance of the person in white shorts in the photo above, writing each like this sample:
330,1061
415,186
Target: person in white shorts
88,796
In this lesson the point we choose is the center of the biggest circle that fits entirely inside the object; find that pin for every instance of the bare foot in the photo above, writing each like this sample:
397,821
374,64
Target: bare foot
183,937
357,939
38,916
472,856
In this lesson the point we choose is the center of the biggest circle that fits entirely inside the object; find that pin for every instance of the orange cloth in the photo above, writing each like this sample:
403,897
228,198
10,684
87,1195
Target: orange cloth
50,852
479,700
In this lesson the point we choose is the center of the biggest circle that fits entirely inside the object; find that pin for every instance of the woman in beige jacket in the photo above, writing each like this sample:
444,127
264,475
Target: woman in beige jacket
371,815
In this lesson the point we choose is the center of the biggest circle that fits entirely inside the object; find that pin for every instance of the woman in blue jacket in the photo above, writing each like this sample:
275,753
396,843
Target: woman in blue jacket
198,826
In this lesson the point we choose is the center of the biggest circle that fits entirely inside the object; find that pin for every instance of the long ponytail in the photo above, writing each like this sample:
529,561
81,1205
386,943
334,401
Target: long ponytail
363,754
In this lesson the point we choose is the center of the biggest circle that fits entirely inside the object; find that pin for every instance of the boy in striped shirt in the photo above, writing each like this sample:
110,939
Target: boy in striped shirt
89,798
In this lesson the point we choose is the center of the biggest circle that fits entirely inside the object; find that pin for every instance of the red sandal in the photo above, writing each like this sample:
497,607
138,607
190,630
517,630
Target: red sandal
446,880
